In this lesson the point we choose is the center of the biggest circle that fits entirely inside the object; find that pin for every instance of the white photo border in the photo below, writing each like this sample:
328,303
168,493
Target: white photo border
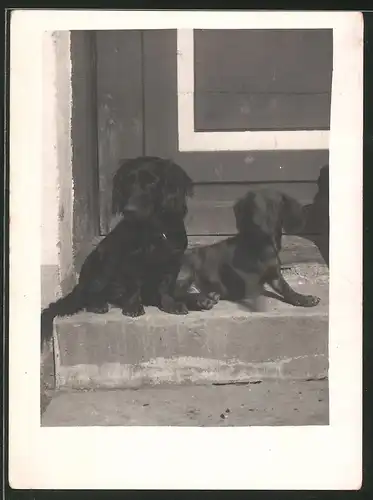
309,457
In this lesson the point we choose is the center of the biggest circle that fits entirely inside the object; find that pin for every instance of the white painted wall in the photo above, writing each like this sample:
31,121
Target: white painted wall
50,191
57,183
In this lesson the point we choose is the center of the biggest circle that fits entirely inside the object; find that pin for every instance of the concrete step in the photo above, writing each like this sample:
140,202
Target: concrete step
272,402
228,344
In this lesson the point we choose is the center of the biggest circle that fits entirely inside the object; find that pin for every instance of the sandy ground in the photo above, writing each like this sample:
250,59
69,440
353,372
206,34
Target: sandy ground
261,403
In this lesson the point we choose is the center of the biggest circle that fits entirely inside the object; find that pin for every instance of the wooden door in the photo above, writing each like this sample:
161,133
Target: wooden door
264,80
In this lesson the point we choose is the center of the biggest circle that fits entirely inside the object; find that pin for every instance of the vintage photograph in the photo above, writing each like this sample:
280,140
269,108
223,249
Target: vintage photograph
185,298
192,182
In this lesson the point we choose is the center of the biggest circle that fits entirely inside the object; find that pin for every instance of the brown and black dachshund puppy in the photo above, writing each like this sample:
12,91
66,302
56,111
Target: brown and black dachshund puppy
237,268
138,262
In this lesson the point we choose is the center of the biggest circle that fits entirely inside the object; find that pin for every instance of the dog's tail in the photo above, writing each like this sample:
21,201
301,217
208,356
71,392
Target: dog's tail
65,306
70,304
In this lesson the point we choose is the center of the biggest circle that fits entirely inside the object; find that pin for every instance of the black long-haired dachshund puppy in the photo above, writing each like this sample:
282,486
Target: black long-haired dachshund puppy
237,268
138,261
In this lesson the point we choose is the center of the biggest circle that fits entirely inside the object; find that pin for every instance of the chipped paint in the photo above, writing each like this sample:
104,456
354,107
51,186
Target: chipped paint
57,197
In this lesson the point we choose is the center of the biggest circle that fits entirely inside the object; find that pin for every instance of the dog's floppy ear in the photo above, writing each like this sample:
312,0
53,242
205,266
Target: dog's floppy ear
293,217
177,186
121,189
117,200
241,212
258,211
267,213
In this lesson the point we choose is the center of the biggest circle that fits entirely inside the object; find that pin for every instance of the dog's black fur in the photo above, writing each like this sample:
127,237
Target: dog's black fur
138,261
151,186
237,268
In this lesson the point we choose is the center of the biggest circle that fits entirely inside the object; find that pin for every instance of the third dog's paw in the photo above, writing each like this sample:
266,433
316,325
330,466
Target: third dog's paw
308,301
133,310
170,306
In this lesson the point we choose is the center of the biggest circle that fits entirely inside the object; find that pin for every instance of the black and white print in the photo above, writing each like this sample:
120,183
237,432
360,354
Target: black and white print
242,118
188,178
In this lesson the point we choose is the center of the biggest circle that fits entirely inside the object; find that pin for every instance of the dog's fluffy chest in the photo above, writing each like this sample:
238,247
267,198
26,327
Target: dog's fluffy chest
251,259
160,247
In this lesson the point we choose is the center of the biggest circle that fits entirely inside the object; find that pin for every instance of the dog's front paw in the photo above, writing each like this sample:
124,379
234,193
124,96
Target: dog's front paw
205,303
308,301
102,309
171,306
214,296
133,310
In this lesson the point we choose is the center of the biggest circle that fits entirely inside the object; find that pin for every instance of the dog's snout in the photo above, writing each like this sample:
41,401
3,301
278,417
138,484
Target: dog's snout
138,206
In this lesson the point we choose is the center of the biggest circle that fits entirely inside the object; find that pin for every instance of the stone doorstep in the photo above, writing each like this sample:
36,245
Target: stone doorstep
217,350
229,344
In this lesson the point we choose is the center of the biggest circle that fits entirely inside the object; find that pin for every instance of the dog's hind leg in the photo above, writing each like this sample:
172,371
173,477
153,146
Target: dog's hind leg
279,285
98,308
199,301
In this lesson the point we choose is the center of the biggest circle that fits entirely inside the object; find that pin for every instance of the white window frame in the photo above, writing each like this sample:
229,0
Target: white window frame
190,140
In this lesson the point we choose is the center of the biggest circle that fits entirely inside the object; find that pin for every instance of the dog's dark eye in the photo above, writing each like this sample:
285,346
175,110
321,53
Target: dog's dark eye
147,179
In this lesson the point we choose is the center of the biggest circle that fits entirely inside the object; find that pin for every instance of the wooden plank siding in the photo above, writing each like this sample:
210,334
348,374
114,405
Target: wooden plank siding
211,209
253,166
84,138
119,107
160,90
138,112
